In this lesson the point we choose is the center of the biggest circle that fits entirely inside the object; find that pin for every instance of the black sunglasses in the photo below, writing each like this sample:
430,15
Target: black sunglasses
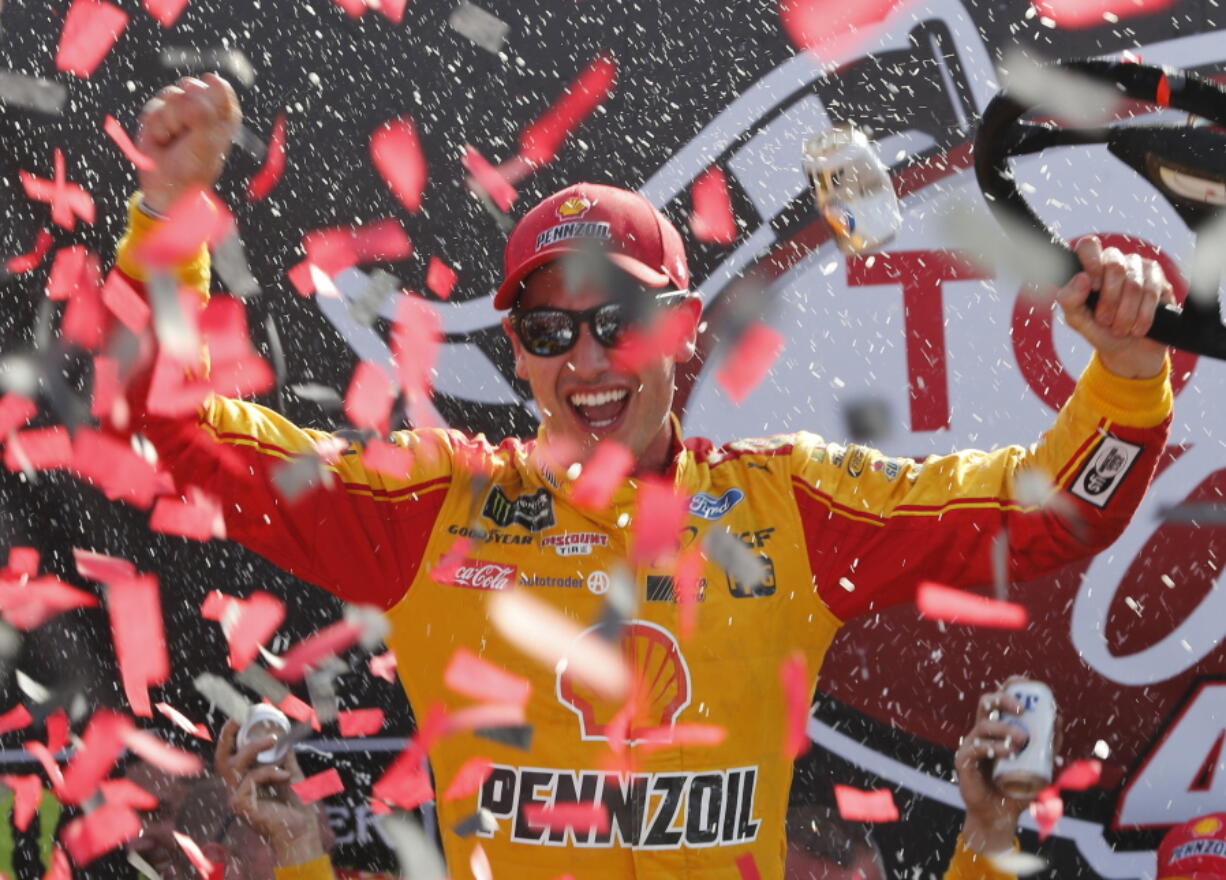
548,332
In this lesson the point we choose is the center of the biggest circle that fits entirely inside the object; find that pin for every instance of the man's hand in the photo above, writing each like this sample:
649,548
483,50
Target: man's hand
261,794
1130,288
991,815
186,129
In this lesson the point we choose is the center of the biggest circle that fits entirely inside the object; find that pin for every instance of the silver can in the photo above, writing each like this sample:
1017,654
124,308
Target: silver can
853,188
1027,772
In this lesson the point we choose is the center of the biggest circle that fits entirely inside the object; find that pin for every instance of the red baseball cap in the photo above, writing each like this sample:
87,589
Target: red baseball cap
637,238
1195,850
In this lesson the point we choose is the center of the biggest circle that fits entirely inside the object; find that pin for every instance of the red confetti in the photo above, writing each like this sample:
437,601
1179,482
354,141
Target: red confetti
23,561
712,218
114,467
390,459
486,178
1089,13
105,404
393,10
831,29
102,568
39,449
581,817
360,722
112,127
29,605
58,869
479,679
748,867
299,710
167,758
91,28
798,691
353,8
74,268
540,141
99,831
15,411
126,304
1080,775
101,744
196,218
17,718
167,12
397,154
865,806
416,336
84,320
1046,809
469,778
259,617
317,787
749,360
68,201
195,855
126,793
659,514
27,792
602,474
30,260
235,369
333,639
485,715
198,516
181,721
135,610
57,730
266,178
384,666
440,278
687,734
368,401
335,248
666,336
406,783
44,757
938,602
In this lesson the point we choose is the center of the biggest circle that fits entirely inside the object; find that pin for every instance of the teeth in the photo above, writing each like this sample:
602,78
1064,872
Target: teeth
597,399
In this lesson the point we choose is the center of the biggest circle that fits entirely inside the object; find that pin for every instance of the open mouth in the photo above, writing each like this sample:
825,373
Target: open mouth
599,410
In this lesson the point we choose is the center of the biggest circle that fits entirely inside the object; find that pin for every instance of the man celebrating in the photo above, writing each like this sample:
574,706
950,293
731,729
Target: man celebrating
839,531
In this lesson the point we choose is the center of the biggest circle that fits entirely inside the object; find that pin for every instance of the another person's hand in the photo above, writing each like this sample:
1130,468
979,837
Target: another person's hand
1130,288
187,130
261,794
991,815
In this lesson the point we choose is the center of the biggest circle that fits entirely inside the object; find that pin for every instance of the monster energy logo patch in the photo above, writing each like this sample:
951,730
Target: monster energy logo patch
534,512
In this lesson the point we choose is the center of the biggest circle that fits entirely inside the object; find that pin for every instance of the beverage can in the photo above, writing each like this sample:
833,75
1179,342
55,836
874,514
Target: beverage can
1029,770
853,188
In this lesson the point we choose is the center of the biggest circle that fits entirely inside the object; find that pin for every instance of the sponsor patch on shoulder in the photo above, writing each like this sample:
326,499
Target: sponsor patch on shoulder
1105,470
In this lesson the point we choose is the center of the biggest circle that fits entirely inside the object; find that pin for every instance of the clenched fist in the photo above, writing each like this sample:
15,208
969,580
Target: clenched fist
1130,288
186,129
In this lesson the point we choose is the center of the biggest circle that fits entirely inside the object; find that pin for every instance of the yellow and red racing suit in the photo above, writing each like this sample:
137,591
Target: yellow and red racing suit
841,530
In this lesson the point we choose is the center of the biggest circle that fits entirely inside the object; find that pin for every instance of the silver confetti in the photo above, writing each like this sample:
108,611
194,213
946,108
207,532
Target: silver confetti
298,475
175,333
258,679
32,93
1198,512
518,736
231,61
230,261
374,625
1077,99
32,689
222,695
482,820
328,398
416,852
485,29
367,305
142,867
746,569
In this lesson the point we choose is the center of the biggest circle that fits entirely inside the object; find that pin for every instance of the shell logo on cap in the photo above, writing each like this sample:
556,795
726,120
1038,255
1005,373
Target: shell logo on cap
575,206
660,687
1207,825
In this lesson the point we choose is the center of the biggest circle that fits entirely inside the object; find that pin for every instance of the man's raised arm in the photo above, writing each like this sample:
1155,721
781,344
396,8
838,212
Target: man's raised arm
876,527
355,531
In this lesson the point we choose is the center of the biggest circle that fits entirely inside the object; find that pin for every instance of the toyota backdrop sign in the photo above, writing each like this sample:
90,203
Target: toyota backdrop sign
950,352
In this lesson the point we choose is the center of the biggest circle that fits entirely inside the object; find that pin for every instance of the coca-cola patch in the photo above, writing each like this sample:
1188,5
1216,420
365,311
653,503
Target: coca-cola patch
481,574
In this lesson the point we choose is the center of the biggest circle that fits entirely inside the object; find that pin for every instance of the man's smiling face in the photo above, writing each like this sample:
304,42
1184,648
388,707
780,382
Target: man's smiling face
582,395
